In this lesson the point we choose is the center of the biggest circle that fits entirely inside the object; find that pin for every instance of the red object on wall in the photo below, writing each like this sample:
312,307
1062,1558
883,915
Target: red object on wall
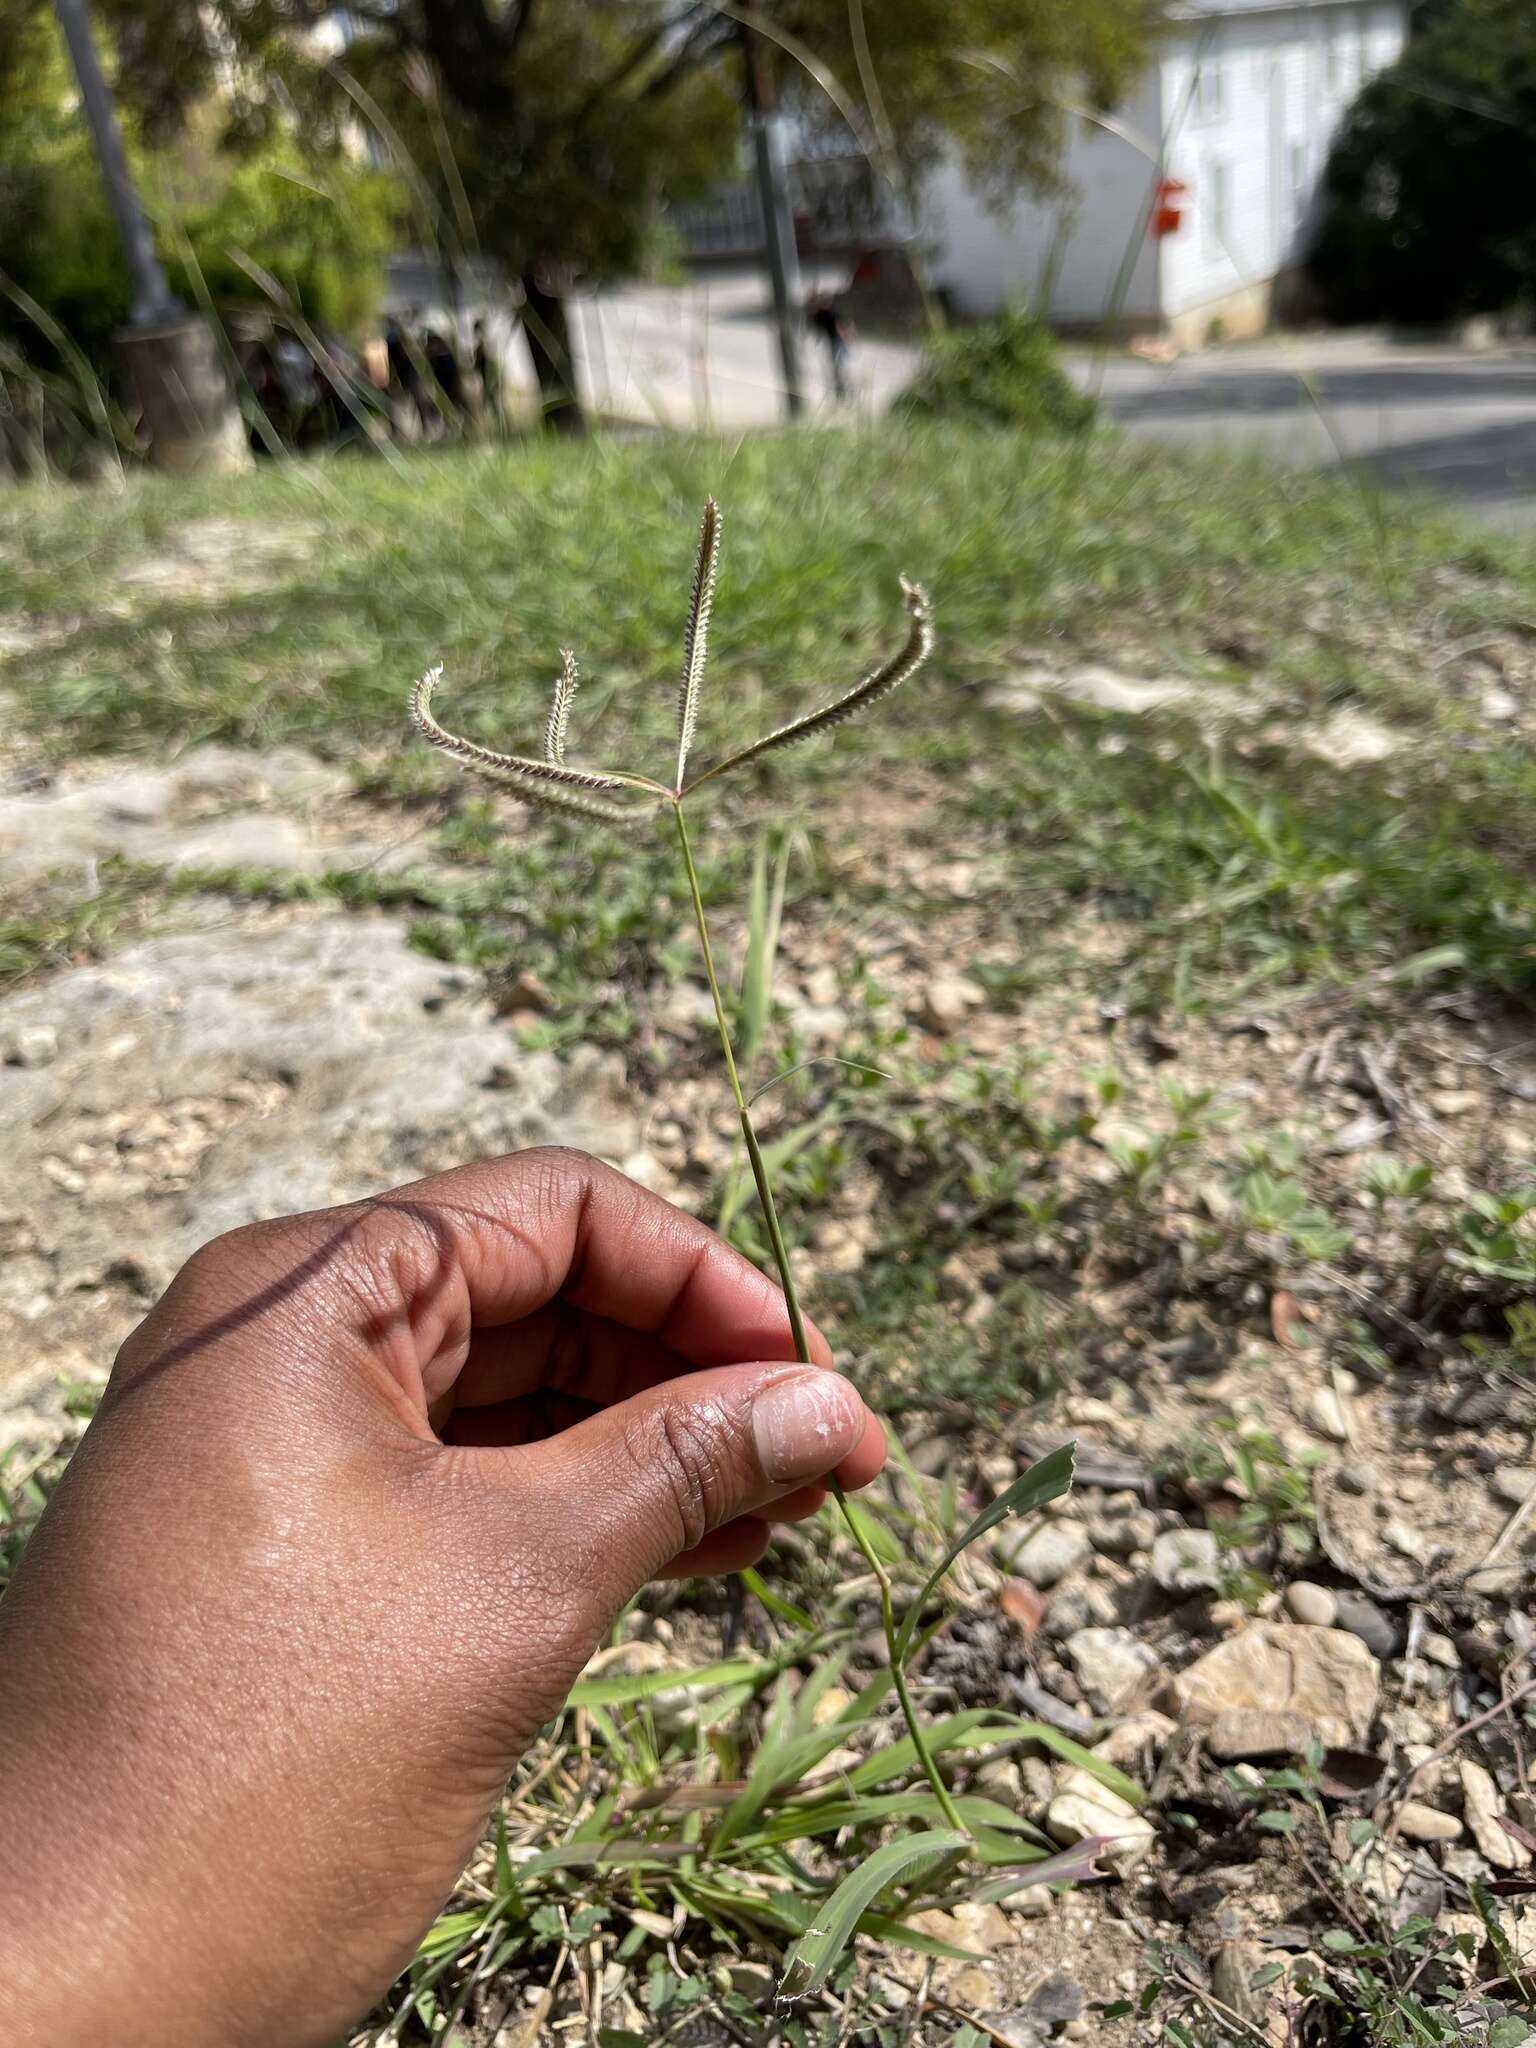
1167,208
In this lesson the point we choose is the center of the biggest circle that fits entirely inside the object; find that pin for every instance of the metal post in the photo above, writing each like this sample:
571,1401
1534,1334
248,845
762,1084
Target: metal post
153,299
190,420
777,216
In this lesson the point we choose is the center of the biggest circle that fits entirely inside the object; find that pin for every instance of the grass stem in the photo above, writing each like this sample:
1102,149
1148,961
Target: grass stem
941,1791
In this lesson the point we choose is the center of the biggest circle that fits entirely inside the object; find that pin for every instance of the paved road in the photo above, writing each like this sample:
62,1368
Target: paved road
1441,419
1445,419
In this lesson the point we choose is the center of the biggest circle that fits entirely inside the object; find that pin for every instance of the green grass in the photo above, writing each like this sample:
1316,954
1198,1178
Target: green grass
1264,870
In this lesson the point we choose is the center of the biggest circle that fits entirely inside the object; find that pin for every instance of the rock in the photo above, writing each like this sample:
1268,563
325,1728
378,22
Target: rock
1484,1808
1314,1605
1325,1412
32,1045
1419,1823
1111,1665
966,1985
1359,1132
754,1981
1324,1677
947,1000
1186,1561
1046,1554
1136,1742
1438,1649
1349,739
1083,1807
1245,1734
1360,1616
1057,2001
1454,1101
1513,1484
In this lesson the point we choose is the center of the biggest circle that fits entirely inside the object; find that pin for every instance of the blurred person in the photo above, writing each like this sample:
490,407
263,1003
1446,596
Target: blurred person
828,321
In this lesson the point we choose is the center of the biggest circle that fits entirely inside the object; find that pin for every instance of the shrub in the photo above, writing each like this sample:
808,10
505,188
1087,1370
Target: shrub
1005,373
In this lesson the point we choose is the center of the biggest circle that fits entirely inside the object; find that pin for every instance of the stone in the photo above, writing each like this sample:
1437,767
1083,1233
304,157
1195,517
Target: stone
1046,1555
1111,1664
1483,1806
1419,1823
947,1000
1325,1413
1454,1101
1314,1605
1186,1561
1360,1616
754,1981
1246,1734
1137,1741
1083,1808
1438,1649
1057,2001
1513,1484
1324,1677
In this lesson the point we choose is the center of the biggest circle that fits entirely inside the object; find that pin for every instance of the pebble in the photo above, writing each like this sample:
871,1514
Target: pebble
1454,1101
1325,1412
1186,1561
948,1000
1513,1484
1084,1807
1420,1823
1441,1650
1484,1809
1360,1480
1057,2001
1048,1554
1134,1743
1111,1664
1315,1605
1360,1616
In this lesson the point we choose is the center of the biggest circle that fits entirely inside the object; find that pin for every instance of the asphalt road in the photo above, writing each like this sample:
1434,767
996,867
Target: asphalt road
1444,419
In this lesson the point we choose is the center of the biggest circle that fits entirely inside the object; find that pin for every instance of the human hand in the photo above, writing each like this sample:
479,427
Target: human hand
364,1493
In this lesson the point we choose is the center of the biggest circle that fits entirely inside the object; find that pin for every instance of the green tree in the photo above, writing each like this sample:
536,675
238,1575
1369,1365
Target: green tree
1430,197
303,214
547,135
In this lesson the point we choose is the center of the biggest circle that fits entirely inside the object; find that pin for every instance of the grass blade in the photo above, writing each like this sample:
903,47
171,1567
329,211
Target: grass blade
1045,1480
815,1954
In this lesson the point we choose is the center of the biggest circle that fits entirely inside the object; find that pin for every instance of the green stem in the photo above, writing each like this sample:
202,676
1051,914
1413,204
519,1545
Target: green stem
941,1791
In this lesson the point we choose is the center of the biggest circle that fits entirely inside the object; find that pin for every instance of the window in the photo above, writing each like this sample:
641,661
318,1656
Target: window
1336,52
1208,92
1216,209
1297,181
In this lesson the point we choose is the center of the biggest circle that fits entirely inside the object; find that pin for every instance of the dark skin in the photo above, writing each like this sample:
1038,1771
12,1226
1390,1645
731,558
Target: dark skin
366,1490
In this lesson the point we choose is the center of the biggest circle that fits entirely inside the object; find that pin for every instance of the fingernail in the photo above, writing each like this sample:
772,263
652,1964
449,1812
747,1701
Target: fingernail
805,1425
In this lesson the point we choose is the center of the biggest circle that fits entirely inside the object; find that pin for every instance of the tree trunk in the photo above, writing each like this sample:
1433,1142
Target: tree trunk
546,323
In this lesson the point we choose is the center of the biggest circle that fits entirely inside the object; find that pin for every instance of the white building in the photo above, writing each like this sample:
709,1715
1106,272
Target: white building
1238,108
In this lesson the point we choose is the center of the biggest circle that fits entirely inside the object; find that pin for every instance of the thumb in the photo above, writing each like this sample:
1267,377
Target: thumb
651,1477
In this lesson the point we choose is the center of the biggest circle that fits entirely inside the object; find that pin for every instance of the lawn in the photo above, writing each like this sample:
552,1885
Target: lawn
1150,1061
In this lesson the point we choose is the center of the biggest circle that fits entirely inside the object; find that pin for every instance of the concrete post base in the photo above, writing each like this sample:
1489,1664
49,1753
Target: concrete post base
190,420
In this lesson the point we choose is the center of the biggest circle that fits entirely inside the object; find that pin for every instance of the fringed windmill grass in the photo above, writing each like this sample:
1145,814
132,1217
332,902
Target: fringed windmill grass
625,798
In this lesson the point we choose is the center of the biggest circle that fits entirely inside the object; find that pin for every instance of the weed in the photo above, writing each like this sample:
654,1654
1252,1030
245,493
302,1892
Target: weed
623,798
1258,1498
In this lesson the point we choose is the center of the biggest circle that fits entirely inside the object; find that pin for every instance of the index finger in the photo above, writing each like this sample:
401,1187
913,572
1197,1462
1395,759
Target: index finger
521,1230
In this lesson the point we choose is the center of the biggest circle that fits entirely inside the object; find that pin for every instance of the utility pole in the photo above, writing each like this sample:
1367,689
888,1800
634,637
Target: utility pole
190,419
778,216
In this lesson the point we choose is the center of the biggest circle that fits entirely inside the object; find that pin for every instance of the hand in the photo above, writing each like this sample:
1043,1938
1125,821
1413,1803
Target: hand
364,1493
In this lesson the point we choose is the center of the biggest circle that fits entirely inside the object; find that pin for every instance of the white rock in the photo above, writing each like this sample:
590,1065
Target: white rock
1083,1807
1186,1561
1325,1412
1134,1741
1314,1605
947,1001
1483,1805
1419,1823
1112,1666
1046,1555
1325,1676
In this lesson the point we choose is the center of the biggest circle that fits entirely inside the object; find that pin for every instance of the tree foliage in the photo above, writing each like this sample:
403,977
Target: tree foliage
1430,195
289,216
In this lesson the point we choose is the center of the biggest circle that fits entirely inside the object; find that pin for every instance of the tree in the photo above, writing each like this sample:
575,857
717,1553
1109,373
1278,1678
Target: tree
547,135
317,221
1430,197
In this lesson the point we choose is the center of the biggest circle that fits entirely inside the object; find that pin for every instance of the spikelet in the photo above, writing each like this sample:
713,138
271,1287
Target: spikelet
696,633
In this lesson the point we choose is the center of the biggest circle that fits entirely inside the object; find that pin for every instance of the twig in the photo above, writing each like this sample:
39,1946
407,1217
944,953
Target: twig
1509,1532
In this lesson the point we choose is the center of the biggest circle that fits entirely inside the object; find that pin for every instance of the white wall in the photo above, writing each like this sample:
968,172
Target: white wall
1060,255
1251,100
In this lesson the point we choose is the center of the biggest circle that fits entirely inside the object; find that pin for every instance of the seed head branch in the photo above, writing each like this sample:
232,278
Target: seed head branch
499,767
889,676
696,633
560,710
